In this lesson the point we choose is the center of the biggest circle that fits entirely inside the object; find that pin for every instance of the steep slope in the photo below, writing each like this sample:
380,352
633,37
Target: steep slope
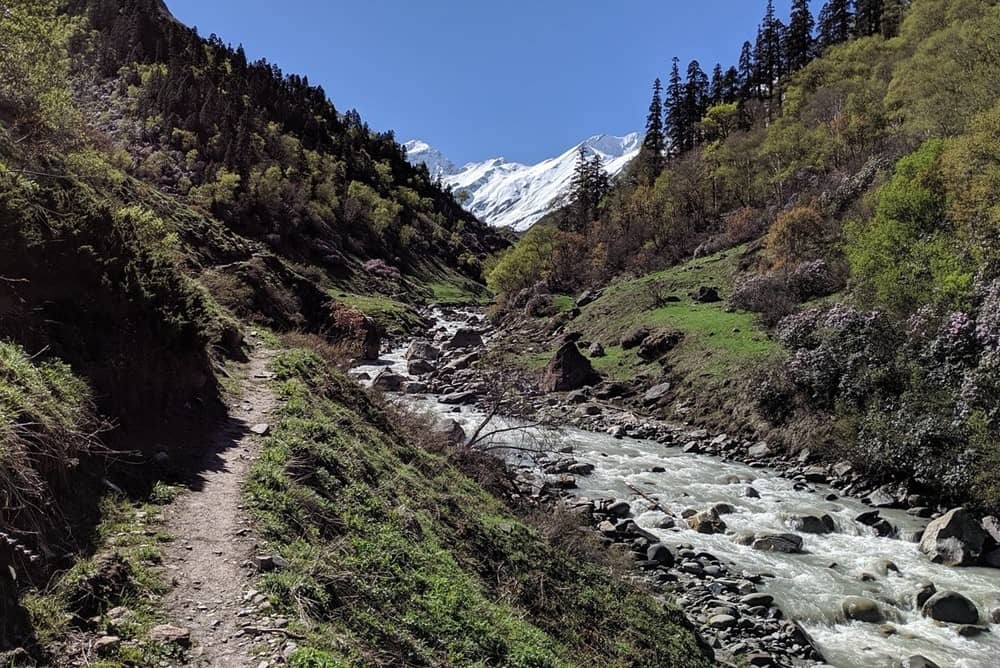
509,194
161,197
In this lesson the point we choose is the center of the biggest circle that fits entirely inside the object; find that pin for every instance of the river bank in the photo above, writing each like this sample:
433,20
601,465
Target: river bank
770,557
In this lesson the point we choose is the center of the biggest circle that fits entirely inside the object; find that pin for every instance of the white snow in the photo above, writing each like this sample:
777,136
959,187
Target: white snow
509,194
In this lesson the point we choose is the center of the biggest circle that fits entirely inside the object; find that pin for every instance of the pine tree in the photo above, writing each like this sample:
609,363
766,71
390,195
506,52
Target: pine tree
696,90
675,120
768,51
731,85
654,144
799,41
717,91
590,185
746,72
836,23
868,17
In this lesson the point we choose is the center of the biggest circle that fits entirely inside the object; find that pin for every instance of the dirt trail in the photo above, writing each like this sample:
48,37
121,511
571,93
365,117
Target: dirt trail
213,541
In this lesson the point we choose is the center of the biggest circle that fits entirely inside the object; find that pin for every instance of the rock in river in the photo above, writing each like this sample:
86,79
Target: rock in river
953,539
951,607
788,543
862,609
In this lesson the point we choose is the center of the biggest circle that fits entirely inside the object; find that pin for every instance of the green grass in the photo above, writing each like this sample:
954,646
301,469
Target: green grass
132,531
395,555
564,303
396,316
459,291
718,344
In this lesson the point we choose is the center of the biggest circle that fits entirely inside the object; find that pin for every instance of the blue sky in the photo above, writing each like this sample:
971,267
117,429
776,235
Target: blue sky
523,79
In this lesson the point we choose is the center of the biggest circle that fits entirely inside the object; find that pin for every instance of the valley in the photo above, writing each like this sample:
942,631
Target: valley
279,390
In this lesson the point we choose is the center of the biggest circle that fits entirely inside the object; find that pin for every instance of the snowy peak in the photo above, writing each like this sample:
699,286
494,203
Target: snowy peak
421,152
509,194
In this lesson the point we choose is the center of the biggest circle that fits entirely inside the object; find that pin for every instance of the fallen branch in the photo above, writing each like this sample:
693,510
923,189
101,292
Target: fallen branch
656,504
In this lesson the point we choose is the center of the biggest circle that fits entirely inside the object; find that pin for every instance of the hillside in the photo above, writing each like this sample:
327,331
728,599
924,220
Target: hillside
509,194
864,179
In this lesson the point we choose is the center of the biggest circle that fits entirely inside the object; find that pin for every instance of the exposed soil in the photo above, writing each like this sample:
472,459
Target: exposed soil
210,562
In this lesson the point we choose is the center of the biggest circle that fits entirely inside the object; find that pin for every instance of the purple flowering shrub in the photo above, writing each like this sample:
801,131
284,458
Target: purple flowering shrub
924,393
775,294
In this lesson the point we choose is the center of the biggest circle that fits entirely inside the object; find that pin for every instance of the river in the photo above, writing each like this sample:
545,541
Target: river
810,587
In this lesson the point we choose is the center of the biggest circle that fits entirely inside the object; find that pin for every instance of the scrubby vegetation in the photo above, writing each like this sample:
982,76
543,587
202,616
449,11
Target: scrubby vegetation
862,161
396,557
159,197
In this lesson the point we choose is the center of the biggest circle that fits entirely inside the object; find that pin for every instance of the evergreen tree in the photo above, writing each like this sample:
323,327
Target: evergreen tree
731,85
590,185
696,96
799,41
746,72
768,51
717,91
675,120
836,23
868,17
654,144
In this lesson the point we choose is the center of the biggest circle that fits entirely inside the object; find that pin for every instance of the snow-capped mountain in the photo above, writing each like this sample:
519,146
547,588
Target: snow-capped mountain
509,194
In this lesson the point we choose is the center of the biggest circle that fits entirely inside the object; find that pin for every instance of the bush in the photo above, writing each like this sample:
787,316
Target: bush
907,255
798,234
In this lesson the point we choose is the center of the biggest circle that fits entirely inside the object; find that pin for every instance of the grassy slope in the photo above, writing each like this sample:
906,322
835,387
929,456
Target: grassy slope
720,345
397,558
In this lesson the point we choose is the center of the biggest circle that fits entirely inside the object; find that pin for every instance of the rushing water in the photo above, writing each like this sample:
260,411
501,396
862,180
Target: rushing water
810,587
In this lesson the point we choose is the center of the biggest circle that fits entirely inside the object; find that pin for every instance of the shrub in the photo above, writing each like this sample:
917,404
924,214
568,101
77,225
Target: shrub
798,234
907,255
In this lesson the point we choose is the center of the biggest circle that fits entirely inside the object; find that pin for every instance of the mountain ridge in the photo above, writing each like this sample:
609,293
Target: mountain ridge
515,195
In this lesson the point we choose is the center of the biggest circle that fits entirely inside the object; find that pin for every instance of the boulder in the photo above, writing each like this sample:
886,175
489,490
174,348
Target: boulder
813,524
661,554
371,343
754,600
568,370
423,350
387,381
464,362
760,450
860,609
634,338
706,295
815,474
656,394
450,431
951,607
658,344
415,387
788,543
618,509
465,398
722,621
464,338
596,350
953,539
419,367
707,522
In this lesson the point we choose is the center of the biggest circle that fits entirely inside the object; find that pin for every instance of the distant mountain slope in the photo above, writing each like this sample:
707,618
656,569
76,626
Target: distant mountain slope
510,194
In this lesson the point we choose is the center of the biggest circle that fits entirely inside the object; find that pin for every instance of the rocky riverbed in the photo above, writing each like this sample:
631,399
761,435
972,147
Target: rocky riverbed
778,561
